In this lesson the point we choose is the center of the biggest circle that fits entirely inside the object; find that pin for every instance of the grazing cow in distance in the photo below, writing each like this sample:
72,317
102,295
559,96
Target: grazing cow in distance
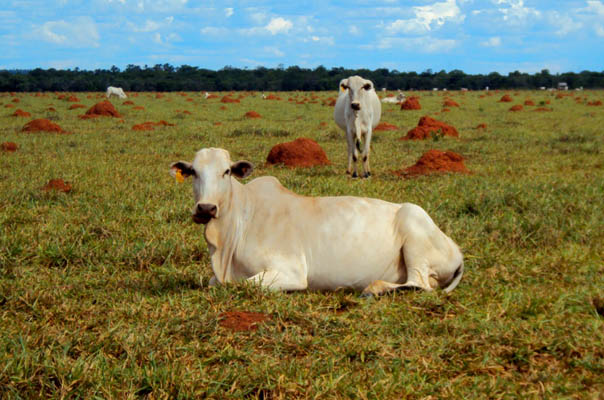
357,112
206,95
263,233
116,91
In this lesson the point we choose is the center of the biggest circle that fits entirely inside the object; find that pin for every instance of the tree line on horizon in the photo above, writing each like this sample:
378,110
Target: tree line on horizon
166,78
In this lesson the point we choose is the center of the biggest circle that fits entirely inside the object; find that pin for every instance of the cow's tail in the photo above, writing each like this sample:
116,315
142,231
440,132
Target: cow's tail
456,278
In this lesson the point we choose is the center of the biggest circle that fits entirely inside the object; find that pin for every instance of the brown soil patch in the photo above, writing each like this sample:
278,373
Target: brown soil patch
595,103
529,102
51,109
506,98
272,97
217,123
445,110
42,125
385,126
227,99
481,126
149,126
213,96
252,114
223,108
559,96
102,109
159,95
435,161
411,103
427,126
9,147
329,102
450,103
517,107
58,185
20,113
138,108
302,152
186,112
128,103
9,106
324,124
16,100
76,106
543,109
241,320
73,99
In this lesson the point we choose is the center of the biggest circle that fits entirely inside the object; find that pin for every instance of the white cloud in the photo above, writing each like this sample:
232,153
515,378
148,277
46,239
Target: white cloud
515,12
495,41
328,40
279,25
563,23
354,30
258,17
78,32
149,26
213,31
419,44
274,51
427,18
595,7
600,30
228,12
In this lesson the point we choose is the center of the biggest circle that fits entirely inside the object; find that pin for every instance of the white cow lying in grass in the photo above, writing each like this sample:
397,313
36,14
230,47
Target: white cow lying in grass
116,91
357,112
263,233
400,97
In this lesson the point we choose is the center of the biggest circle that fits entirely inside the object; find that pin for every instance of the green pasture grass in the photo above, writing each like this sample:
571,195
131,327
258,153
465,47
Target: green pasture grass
103,290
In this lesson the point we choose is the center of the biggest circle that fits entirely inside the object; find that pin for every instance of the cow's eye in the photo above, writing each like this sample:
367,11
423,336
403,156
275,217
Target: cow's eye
227,172
367,86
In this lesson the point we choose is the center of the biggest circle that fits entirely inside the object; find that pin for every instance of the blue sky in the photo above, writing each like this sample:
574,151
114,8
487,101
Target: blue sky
471,35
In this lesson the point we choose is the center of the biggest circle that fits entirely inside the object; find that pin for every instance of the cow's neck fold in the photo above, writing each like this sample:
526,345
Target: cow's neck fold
223,234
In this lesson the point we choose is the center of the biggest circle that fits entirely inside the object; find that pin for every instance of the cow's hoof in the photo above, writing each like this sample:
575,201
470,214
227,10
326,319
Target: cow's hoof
354,175
367,175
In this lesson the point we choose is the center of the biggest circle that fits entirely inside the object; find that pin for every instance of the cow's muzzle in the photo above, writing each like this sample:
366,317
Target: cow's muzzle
204,213
355,106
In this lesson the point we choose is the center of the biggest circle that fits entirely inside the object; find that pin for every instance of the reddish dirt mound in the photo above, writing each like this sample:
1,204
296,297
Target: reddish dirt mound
149,126
529,102
242,320
481,126
102,109
450,103
595,103
329,102
51,109
324,124
217,123
16,100
138,108
385,126
252,114
72,99
9,106
76,106
227,99
272,97
506,98
542,109
20,113
412,103
9,146
302,152
128,103
445,110
58,185
435,161
42,125
223,108
159,95
427,126
213,96
517,107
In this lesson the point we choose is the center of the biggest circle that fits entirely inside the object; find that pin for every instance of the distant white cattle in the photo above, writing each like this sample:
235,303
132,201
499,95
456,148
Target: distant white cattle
116,91
400,97
263,233
357,112
206,95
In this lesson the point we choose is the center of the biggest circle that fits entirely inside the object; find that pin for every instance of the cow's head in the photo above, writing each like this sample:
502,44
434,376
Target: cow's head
356,87
211,171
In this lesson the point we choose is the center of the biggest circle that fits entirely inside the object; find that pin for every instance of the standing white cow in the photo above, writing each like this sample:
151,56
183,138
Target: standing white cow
116,91
357,112
263,233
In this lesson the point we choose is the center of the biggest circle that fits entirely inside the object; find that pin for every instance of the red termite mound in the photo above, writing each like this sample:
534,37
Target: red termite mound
427,126
42,125
542,109
252,114
149,126
241,320
435,161
58,185
450,103
412,103
76,106
102,109
529,102
481,126
595,103
517,107
20,113
128,103
9,147
227,99
385,126
272,97
506,98
302,152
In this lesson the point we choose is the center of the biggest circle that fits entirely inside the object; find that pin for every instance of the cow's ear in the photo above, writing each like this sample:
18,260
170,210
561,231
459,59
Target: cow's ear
242,169
182,169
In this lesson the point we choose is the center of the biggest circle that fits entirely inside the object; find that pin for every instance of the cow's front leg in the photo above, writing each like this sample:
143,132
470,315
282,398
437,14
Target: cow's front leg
378,288
279,280
213,281
365,154
350,142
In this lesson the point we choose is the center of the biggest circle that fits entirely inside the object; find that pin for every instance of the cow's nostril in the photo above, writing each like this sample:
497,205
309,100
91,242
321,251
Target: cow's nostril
355,106
206,209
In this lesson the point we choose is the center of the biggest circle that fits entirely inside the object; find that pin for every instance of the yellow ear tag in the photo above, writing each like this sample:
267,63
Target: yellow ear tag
179,177
342,89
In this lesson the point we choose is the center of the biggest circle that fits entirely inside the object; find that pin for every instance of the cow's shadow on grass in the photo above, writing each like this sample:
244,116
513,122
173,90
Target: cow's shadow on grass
162,284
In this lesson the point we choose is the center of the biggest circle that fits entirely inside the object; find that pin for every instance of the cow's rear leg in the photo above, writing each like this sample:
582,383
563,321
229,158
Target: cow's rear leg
352,155
279,280
365,154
